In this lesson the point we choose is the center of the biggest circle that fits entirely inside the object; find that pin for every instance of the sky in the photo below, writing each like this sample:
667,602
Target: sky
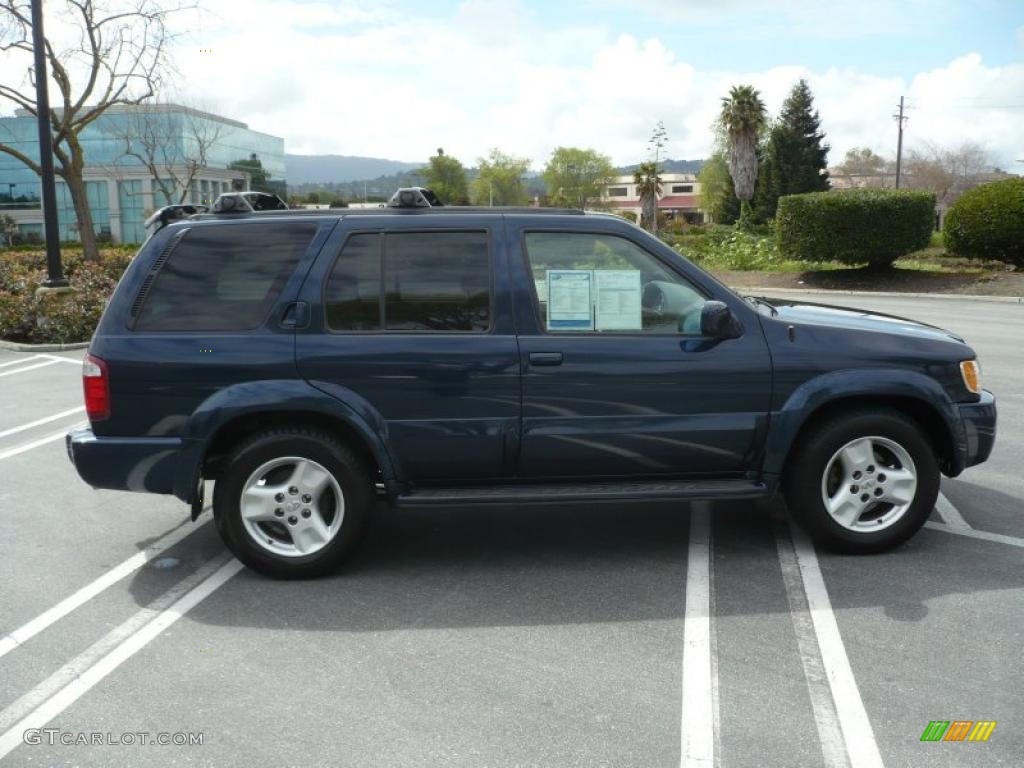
399,79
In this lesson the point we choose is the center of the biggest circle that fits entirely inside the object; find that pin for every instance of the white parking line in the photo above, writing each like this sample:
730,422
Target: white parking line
950,514
35,443
861,748
20,360
61,359
826,719
90,590
29,368
697,731
131,645
974,533
24,705
44,420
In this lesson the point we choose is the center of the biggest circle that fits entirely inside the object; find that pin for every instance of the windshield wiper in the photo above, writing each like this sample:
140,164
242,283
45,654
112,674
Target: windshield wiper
755,301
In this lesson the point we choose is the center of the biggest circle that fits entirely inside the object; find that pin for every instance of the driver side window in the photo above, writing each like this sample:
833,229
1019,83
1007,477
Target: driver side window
592,283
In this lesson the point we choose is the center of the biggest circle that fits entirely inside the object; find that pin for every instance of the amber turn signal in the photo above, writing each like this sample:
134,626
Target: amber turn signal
971,372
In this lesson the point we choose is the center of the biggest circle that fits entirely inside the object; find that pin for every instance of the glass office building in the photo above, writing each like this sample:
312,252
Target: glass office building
192,153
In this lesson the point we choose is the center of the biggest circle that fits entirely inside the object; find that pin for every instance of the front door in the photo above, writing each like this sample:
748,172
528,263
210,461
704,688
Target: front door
618,381
409,324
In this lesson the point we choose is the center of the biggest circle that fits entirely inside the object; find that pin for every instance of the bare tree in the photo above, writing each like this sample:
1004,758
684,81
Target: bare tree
948,172
172,143
9,227
116,54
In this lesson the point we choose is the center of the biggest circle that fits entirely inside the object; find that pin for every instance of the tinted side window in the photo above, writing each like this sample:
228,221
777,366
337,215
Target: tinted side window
430,281
437,281
353,289
224,278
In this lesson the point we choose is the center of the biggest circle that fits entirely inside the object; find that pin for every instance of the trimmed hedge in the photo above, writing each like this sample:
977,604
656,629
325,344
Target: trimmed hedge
856,226
987,222
55,319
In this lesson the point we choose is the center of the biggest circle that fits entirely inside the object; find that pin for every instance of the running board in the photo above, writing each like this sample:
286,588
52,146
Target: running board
553,493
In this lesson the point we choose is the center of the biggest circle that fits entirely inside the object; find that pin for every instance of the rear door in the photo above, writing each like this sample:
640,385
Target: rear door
410,326
617,380
204,314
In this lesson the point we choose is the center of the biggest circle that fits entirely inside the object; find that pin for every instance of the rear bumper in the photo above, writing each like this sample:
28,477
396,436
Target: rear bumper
979,429
145,464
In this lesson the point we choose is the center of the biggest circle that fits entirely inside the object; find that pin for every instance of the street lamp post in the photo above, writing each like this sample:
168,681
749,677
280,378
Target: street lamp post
55,274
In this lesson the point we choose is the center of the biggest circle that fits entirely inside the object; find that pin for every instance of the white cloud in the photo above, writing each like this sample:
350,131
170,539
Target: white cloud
332,77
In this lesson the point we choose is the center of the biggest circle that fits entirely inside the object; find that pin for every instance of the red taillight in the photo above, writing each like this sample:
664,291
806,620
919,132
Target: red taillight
96,385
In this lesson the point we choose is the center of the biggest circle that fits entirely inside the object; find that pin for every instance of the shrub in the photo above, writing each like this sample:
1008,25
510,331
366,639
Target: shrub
987,222
726,247
857,226
55,318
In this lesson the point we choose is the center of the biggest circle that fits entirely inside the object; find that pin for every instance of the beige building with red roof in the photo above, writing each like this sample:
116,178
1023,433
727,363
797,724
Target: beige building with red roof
679,196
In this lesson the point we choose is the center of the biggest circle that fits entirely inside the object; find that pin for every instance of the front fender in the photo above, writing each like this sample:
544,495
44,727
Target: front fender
861,382
270,396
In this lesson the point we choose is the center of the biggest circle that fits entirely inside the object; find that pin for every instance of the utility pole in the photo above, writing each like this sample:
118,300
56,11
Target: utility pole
899,142
54,271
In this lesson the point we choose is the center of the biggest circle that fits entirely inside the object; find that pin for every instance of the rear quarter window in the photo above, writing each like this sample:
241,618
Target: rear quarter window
224,277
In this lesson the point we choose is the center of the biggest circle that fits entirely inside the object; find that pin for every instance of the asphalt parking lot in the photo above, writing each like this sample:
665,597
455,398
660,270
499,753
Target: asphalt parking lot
615,635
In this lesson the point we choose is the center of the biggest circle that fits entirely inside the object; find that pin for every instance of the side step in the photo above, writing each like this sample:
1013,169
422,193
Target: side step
554,493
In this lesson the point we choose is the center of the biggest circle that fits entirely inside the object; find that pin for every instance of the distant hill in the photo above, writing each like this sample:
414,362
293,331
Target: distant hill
337,169
395,174
669,166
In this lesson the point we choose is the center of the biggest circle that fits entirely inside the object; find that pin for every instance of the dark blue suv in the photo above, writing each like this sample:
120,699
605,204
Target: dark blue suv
310,362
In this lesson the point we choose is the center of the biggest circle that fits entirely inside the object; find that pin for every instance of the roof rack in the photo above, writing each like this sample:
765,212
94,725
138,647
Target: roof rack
164,216
248,202
414,197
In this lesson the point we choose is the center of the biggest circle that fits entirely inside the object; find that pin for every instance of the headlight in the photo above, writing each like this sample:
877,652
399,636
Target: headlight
970,370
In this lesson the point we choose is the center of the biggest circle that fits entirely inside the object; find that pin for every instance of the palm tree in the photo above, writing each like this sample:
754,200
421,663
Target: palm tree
742,120
648,187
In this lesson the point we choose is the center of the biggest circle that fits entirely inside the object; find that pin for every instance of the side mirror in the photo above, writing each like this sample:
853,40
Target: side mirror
718,322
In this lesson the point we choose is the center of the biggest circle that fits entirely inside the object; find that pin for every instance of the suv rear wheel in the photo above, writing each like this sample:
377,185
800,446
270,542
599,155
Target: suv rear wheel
864,481
292,503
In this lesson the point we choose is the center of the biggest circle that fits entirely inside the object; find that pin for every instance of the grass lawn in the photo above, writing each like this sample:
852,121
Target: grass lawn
750,260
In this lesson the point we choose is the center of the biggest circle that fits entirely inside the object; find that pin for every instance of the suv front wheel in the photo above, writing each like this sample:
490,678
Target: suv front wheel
292,503
863,481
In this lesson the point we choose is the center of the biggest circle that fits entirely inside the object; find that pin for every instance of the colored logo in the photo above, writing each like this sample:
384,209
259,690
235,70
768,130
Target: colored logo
958,730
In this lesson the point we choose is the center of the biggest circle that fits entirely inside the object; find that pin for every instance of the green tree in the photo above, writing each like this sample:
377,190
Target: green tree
717,193
313,198
259,179
861,167
795,155
446,177
742,121
576,177
499,180
648,187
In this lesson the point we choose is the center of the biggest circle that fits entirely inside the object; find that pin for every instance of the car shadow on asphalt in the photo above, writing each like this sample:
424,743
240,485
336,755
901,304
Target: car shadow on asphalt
985,508
574,564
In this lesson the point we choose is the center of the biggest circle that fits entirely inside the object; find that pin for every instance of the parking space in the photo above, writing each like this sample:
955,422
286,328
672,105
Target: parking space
599,635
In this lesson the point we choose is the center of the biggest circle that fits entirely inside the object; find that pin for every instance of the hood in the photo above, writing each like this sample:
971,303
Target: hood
804,312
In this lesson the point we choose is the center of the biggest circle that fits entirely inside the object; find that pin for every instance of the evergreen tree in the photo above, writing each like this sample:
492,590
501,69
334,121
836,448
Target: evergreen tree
795,154
446,177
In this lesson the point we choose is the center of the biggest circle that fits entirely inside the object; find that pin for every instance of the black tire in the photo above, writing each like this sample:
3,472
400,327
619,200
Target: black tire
323,448
802,482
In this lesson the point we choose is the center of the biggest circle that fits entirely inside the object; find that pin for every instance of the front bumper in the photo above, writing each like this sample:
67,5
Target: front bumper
979,429
146,464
